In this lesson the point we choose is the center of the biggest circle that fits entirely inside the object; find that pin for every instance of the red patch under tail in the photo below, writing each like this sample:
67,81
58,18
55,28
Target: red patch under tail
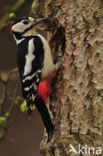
44,90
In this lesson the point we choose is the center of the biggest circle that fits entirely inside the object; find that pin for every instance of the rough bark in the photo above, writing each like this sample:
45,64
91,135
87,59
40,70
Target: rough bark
76,32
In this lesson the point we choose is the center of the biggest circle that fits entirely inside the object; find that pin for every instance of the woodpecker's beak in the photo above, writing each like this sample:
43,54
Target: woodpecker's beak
36,21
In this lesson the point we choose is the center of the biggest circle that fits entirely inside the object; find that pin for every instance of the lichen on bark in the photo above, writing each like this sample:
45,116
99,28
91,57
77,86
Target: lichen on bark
76,29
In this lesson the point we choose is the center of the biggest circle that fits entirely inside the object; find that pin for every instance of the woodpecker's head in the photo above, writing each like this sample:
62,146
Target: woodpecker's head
23,25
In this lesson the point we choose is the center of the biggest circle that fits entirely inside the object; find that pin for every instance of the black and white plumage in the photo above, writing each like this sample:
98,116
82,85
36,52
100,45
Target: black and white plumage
30,56
35,63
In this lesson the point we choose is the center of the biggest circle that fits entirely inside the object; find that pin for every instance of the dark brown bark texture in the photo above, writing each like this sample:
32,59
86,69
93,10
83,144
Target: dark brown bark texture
76,32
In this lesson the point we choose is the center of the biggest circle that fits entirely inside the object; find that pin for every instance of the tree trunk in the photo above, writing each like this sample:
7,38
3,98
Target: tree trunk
76,32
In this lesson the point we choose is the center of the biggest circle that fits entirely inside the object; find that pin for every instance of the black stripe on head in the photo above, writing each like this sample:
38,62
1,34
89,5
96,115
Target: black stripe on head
20,19
17,35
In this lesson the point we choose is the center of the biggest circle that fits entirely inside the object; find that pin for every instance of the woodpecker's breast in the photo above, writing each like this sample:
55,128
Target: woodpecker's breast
48,61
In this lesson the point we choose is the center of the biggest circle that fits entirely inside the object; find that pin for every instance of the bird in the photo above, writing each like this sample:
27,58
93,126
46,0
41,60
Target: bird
36,67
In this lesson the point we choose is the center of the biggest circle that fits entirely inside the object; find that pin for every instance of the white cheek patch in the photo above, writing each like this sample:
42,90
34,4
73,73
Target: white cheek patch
20,27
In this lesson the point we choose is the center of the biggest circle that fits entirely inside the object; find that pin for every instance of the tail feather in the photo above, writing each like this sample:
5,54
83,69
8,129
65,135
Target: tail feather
41,107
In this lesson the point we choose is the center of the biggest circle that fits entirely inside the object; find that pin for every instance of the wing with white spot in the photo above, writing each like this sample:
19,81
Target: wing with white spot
30,85
30,67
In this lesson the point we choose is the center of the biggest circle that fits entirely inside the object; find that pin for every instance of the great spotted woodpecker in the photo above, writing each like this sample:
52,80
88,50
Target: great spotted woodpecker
36,67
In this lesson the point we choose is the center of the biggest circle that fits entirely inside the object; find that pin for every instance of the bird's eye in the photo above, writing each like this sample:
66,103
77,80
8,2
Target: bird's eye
25,22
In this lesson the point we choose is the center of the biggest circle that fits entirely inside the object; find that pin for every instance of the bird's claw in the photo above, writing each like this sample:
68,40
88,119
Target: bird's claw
58,61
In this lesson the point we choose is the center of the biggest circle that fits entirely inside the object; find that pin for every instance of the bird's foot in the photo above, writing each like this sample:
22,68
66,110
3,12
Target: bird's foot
58,61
